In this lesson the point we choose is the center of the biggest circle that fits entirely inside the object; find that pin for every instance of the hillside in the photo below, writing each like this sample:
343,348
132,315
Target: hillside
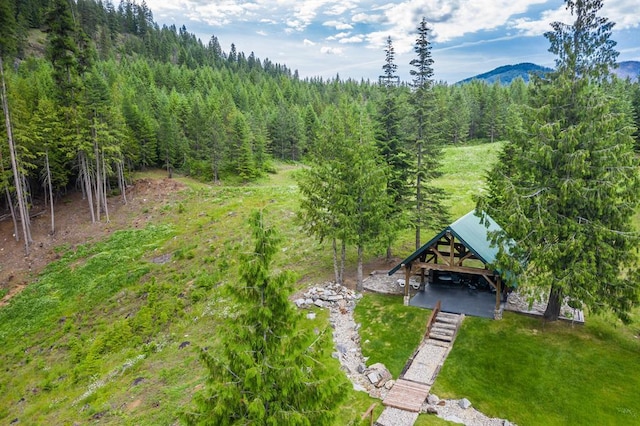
628,69
507,73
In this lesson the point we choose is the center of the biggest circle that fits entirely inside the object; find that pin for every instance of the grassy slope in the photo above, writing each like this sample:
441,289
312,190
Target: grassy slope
98,336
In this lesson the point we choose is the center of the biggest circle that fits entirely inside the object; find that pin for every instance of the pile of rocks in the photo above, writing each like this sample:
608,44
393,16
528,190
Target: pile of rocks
328,295
341,302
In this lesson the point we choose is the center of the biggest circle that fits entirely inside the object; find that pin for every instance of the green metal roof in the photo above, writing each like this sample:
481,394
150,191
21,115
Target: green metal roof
470,230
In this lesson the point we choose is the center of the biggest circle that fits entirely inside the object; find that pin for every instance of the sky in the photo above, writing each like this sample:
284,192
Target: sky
325,38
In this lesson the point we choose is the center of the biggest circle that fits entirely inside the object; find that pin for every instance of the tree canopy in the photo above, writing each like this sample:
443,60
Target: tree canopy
567,183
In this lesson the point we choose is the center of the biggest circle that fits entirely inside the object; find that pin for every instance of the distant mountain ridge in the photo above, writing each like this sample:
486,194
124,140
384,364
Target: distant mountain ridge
507,73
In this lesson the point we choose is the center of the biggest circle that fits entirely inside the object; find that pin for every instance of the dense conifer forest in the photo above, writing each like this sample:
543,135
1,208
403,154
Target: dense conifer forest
93,90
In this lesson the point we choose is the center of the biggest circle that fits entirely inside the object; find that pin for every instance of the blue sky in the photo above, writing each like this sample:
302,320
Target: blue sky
346,37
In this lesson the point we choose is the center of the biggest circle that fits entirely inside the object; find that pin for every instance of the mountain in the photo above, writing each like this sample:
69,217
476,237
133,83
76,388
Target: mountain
507,73
628,69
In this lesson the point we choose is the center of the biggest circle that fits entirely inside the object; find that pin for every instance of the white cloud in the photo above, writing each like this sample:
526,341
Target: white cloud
354,39
338,25
348,25
331,50
367,18
535,27
623,12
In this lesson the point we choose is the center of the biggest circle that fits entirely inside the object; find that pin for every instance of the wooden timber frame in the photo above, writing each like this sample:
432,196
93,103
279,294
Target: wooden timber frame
449,254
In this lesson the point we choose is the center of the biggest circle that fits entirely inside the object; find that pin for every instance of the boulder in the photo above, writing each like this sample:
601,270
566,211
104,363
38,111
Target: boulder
373,377
383,375
432,399
464,403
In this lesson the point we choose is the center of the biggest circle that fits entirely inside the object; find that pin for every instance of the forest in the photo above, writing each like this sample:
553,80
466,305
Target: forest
93,91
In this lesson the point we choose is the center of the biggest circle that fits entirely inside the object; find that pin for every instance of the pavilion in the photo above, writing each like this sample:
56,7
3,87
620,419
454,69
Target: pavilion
461,254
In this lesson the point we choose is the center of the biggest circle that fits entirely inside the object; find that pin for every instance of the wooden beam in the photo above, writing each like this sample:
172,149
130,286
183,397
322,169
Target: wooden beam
452,251
469,255
490,281
448,268
439,255
407,277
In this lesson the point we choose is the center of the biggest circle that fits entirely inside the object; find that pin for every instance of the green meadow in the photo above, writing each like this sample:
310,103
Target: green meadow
110,332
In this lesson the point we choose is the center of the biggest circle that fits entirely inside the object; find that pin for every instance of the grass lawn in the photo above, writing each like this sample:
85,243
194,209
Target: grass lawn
105,335
543,374
390,331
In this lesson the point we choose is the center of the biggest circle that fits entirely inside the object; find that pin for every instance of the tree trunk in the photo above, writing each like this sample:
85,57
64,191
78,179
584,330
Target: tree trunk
343,259
121,182
555,302
359,283
104,189
98,178
13,214
86,180
336,269
389,254
17,178
50,187
418,195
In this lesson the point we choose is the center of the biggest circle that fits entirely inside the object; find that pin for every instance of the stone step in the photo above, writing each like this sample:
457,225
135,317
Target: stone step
434,342
440,337
443,331
447,320
446,325
448,315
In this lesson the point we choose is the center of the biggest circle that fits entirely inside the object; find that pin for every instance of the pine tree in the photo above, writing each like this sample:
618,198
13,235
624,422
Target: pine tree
268,370
429,209
567,185
392,146
7,49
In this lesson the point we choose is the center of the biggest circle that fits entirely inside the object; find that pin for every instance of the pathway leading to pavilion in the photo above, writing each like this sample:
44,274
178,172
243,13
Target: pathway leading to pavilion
409,392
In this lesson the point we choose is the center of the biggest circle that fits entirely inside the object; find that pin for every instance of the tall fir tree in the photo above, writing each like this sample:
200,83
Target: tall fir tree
8,45
268,369
566,186
429,210
391,142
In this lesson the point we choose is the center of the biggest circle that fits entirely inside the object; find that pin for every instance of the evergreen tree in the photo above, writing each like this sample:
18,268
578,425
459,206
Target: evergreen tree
392,146
429,209
7,49
496,112
267,370
63,51
567,184
459,115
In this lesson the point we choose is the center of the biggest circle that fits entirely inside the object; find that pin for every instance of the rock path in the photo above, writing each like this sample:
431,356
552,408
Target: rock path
341,302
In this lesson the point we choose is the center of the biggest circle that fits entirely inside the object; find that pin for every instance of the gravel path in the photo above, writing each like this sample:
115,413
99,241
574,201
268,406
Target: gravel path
425,365
347,343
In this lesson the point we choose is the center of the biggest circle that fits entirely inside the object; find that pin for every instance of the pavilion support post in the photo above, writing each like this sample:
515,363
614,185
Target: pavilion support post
407,277
497,314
